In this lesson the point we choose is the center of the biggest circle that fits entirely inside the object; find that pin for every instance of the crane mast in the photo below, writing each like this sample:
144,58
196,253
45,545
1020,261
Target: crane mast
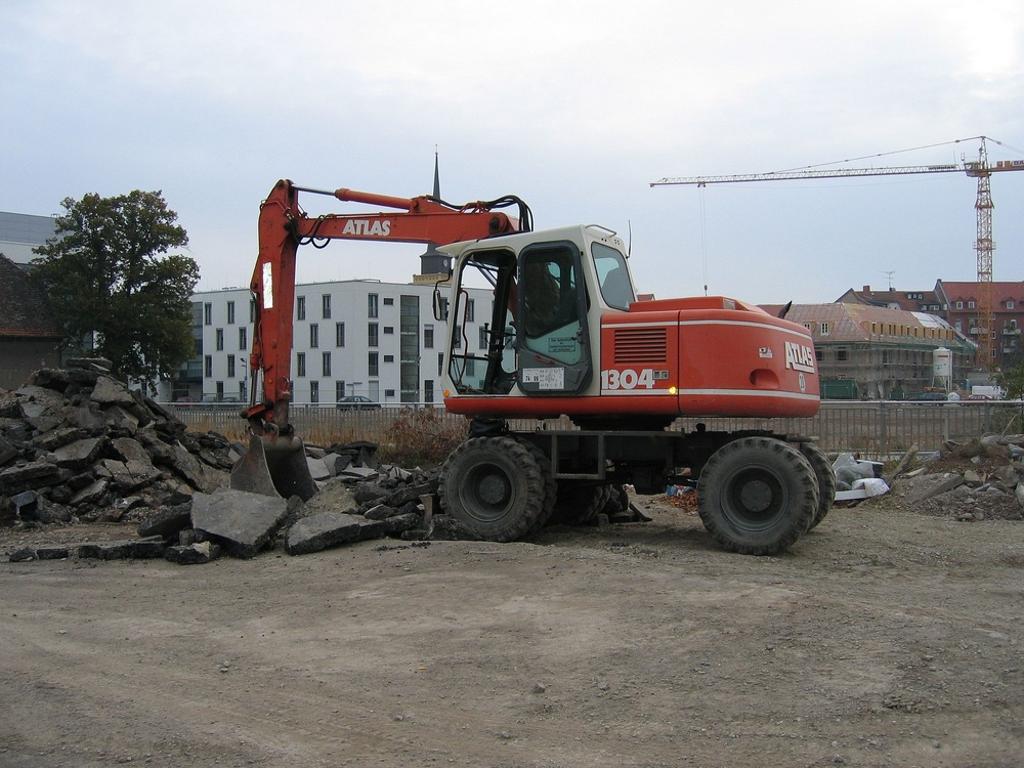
984,244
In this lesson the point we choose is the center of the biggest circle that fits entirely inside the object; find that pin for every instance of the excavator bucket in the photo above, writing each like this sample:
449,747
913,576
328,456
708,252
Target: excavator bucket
274,466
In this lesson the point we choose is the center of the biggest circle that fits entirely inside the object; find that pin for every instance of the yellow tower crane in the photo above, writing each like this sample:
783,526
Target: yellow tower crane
981,169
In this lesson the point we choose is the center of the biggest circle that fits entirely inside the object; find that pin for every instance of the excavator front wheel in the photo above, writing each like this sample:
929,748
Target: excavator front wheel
757,495
495,487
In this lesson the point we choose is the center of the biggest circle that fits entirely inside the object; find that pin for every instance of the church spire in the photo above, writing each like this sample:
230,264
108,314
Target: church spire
432,262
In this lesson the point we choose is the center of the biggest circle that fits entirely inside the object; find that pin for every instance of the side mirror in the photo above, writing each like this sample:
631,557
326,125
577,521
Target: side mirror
439,304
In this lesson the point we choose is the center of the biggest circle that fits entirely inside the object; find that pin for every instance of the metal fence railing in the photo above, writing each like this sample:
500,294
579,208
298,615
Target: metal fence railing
874,429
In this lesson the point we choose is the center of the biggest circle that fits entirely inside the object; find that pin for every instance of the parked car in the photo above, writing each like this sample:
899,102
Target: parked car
357,403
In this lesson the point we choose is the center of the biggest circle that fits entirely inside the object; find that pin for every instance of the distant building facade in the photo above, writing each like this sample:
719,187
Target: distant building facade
876,352
957,303
21,232
352,337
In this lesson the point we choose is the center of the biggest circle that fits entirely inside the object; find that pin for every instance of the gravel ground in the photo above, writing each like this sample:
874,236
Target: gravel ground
885,638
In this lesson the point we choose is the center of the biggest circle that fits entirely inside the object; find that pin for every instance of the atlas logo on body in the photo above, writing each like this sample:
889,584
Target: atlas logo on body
369,227
799,357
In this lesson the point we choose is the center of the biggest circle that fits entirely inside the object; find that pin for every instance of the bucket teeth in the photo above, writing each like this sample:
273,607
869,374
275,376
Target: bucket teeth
274,466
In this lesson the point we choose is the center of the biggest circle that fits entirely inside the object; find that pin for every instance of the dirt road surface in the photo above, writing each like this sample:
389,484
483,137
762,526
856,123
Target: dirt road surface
884,639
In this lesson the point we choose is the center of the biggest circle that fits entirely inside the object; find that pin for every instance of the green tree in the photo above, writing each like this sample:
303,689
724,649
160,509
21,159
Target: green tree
1012,380
108,273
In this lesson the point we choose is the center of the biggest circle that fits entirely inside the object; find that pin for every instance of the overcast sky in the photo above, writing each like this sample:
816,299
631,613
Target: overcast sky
573,106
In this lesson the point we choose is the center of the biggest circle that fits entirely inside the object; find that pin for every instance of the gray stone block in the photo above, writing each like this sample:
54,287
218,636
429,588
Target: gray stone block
56,438
243,522
329,529
927,486
193,554
380,512
136,549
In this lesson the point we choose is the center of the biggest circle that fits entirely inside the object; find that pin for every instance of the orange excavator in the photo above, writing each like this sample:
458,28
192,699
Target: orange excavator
566,337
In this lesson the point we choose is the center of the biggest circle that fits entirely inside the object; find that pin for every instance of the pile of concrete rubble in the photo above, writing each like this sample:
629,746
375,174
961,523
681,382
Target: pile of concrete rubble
76,444
977,479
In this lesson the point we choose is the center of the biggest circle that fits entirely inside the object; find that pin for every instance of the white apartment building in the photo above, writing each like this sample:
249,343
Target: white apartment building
352,337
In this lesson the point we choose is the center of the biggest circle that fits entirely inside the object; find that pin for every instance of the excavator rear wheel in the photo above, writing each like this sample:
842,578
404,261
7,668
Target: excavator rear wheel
495,487
757,495
826,477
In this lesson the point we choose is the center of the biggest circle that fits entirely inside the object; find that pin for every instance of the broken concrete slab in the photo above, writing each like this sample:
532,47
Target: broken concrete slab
81,453
42,552
317,468
380,512
110,392
167,523
119,420
358,473
329,529
198,553
130,476
398,524
35,474
927,486
7,451
134,549
243,522
91,494
335,463
57,438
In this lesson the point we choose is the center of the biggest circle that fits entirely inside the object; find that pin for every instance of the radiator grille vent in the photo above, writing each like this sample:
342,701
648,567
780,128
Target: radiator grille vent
640,345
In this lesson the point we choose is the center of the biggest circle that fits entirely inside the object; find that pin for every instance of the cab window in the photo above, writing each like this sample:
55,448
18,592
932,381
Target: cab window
612,276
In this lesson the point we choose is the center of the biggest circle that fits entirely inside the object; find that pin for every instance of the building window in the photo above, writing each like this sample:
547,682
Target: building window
371,335
428,391
208,366
231,313
314,335
325,360
824,329
371,305
389,330
483,337
443,309
428,337
339,391
373,364
220,339
231,366
959,325
458,337
326,301
389,358
300,364
959,305
1010,304
242,394
220,390
314,391
207,314
842,355
970,305
440,363
243,338
389,302
389,393
470,310
252,310
339,334
300,308
809,326
819,355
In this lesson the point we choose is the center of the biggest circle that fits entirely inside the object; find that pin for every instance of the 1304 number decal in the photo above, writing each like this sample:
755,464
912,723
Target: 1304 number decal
628,378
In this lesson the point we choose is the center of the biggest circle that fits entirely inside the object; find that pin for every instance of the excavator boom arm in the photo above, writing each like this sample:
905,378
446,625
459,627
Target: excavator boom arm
283,226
